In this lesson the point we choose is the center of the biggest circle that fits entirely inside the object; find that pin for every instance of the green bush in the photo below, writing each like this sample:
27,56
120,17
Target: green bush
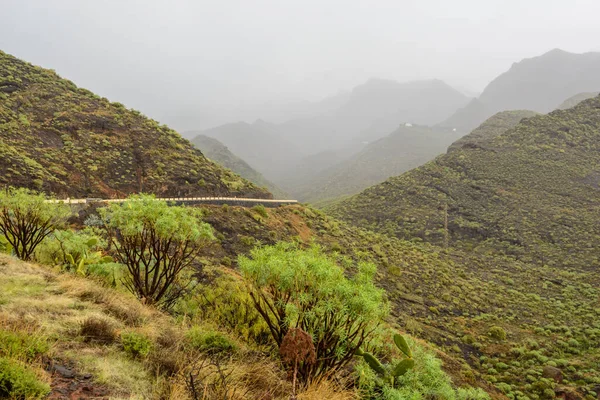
226,303
261,210
426,380
496,332
25,347
74,251
17,382
136,344
306,289
26,219
210,342
157,242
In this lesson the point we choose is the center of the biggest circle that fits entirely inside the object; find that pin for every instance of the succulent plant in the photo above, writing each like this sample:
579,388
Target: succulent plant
389,372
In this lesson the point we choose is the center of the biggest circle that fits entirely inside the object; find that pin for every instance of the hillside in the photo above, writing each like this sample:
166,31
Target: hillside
531,193
574,100
219,153
538,84
66,140
492,127
407,147
373,110
260,144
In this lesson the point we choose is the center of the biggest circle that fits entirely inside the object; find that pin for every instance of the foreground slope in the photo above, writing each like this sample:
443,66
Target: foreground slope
66,140
218,152
455,299
539,84
532,192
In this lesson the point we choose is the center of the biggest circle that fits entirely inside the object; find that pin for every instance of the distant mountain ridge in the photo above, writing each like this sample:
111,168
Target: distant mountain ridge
373,110
407,147
538,84
65,140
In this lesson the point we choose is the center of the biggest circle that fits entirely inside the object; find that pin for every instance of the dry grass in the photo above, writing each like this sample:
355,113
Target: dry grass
327,390
71,310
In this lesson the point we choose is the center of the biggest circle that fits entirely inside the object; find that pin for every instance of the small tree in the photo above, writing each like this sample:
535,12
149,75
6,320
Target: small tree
295,288
26,219
156,242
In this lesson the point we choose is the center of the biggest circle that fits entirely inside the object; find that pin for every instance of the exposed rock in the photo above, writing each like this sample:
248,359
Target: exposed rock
552,373
566,393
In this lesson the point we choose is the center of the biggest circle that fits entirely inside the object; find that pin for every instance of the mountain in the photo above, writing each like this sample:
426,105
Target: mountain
407,147
62,139
494,126
574,100
260,144
373,110
532,192
219,153
537,84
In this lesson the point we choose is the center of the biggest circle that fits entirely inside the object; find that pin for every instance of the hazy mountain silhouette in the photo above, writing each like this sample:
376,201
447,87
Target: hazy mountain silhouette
538,84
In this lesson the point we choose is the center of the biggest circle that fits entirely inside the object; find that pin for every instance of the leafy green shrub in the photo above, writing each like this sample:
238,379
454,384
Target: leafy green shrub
226,302
309,290
136,344
496,332
22,346
26,219
17,382
426,380
157,242
261,210
210,342
75,251
390,372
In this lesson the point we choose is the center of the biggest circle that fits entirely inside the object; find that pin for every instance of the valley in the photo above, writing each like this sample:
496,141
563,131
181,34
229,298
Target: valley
400,240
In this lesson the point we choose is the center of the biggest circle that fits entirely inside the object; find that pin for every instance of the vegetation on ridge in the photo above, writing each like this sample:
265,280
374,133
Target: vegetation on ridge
65,140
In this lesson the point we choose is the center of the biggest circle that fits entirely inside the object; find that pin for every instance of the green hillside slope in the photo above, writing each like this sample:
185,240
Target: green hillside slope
66,140
492,127
532,192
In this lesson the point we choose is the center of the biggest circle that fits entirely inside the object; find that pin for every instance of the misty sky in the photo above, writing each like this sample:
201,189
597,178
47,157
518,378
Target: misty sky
206,62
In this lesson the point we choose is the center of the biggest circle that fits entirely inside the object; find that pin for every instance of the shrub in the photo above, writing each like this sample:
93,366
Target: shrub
17,382
261,210
308,290
210,342
22,346
496,332
136,344
157,242
26,219
98,330
426,380
74,251
225,301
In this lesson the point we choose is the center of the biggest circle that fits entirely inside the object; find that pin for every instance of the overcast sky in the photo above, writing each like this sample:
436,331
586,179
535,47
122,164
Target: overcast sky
208,59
